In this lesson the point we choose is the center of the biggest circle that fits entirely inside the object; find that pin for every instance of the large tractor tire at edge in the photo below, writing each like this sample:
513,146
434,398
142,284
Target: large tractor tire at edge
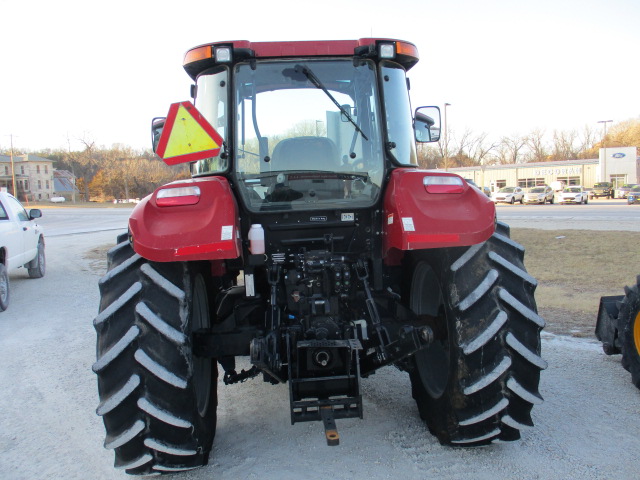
478,381
629,324
158,402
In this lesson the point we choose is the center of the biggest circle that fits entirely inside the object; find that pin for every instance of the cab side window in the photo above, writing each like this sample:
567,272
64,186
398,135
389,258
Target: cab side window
17,209
3,213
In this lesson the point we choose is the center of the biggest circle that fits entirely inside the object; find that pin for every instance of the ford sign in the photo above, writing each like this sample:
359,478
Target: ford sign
618,155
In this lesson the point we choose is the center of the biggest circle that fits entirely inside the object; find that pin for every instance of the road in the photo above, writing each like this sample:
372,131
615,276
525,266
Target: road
587,428
72,220
598,214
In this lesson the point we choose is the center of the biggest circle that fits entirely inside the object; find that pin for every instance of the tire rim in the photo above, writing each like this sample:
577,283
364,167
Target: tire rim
201,366
636,333
433,361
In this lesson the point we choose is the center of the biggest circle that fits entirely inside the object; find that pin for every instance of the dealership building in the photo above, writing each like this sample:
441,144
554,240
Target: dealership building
617,165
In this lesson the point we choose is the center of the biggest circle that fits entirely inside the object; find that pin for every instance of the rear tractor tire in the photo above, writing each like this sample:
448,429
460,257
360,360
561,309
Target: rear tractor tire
157,400
478,381
629,323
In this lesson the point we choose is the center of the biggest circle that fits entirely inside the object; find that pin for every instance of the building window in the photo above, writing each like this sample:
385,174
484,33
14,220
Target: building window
618,180
26,185
6,170
569,180
22,169
501,183
530,182
46,169
47,183
39,184
37,168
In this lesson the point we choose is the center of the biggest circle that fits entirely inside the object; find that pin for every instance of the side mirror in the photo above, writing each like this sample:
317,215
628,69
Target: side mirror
426,124
35,213
157,124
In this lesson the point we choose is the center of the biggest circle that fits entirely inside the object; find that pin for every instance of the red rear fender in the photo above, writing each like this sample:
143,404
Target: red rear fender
199,221
448,213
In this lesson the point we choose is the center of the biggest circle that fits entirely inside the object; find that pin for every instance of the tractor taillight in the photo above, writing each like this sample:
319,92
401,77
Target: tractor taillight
443,184
173,197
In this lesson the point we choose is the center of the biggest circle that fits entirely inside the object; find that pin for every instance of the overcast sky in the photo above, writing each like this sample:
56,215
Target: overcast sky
102,70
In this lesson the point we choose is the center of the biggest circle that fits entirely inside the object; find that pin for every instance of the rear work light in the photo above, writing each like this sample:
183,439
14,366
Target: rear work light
223,54
173,197
387,50
443,184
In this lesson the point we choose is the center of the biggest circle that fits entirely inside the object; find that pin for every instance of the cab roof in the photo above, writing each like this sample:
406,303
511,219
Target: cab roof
208,55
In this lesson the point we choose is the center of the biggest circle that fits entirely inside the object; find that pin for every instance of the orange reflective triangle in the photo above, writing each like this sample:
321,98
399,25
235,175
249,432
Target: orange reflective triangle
187,136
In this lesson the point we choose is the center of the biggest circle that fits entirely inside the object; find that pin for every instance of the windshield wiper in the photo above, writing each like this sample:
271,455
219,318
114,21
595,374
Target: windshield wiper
316,81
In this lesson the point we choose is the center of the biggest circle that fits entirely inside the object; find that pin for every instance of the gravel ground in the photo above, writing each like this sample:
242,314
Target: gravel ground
586,429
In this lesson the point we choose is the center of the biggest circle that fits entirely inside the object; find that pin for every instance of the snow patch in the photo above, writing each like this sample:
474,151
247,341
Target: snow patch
120,302
160,325
125,436
116,349
117,398
158,370
479,291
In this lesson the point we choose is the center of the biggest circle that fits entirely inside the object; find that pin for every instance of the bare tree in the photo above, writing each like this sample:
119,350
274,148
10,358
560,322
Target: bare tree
429,155
511,150
538,151
564,145
469,149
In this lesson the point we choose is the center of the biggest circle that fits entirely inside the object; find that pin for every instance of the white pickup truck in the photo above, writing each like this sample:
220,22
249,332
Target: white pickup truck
21,243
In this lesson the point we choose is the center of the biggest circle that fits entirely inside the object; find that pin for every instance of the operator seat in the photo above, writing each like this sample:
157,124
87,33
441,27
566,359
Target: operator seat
305,153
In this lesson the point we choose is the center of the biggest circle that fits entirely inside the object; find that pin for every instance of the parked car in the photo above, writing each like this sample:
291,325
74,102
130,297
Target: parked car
21,243
485,190
623,191
508,195
602,189
634,195
540,194
574,194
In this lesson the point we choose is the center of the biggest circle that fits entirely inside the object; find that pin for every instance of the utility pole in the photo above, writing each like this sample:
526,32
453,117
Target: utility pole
604,148
446,144
13,172
73,182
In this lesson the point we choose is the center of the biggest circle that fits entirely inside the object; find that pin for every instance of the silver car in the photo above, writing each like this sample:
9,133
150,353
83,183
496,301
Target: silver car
540,194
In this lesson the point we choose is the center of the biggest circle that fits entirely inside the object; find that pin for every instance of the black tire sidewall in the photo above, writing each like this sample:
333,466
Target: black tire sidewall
628,317
4,278
39,268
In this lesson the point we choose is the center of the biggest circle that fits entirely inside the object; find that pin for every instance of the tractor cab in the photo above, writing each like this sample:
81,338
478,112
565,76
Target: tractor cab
313,131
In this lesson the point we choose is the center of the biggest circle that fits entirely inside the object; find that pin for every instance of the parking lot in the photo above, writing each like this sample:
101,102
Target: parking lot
598,214
587,428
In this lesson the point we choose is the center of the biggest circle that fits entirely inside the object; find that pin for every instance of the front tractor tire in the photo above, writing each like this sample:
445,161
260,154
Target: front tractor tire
157,400
629,323
478,381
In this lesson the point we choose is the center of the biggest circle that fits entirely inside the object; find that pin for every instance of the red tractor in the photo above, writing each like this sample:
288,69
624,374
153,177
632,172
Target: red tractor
309,241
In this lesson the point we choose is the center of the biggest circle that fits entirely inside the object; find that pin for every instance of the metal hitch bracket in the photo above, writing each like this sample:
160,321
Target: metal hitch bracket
330,428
